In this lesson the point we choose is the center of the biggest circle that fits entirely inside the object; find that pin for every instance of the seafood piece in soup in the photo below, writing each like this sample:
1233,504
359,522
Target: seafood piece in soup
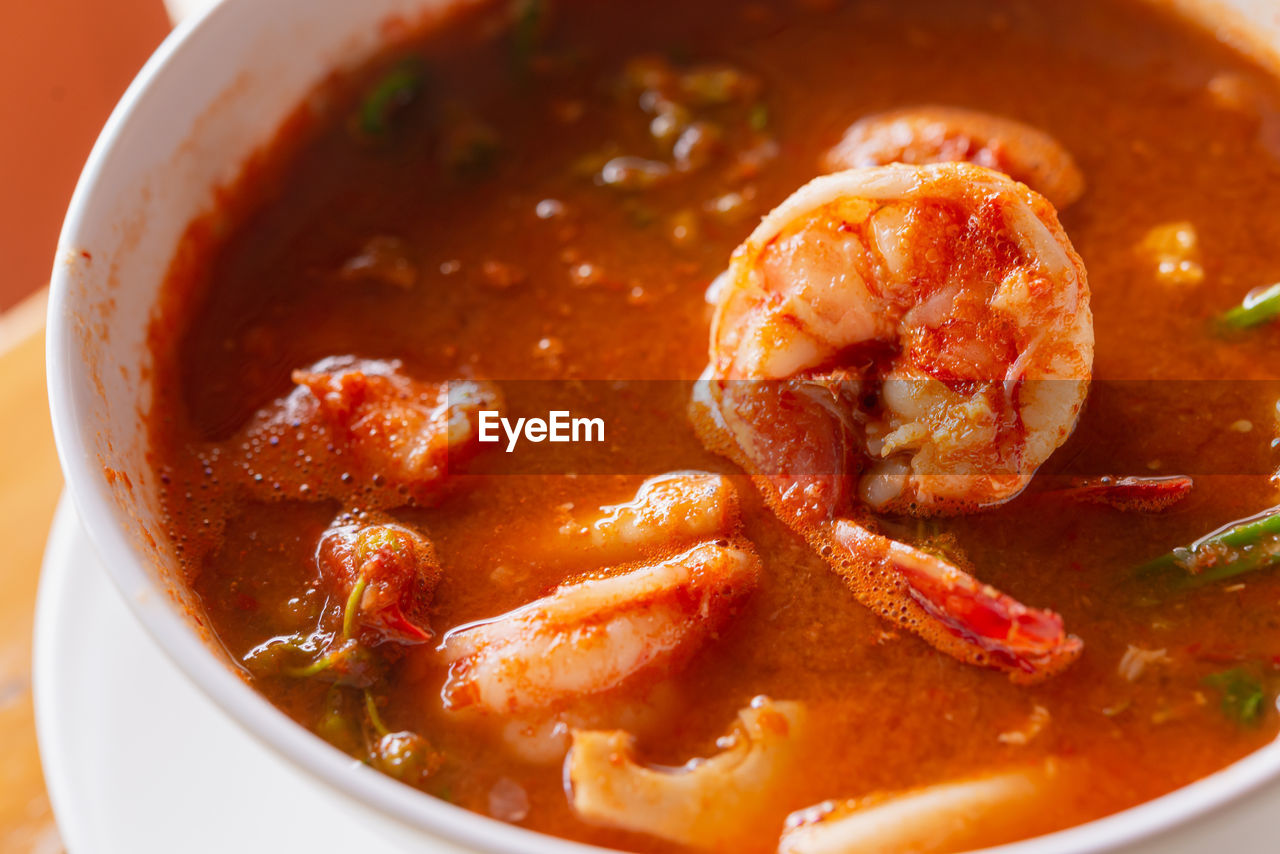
949,292
933,134
669,511
907,339
362,422
587,637
401,428
956,816
721,802
968,619
542,736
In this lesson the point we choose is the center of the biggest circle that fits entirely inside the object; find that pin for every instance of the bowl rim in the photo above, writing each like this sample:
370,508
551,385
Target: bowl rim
254,714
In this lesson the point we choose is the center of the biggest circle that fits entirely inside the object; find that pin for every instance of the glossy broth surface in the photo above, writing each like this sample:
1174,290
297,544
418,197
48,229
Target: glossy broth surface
526,268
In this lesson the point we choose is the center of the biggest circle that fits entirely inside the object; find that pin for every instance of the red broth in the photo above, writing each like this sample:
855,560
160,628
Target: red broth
463,231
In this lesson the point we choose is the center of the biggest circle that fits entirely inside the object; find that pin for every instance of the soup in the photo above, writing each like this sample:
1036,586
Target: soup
902,518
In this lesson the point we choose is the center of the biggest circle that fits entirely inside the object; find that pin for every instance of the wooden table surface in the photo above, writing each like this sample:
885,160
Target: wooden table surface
29,485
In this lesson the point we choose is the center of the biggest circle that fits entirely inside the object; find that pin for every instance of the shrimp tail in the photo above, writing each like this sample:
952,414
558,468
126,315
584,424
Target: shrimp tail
969,620
854,347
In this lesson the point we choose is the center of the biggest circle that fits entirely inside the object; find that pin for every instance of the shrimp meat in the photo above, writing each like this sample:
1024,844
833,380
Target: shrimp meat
913,340
587,637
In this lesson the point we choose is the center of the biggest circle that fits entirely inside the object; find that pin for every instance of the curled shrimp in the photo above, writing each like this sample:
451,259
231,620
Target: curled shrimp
587,637
361,421
910,339
932,134
669,513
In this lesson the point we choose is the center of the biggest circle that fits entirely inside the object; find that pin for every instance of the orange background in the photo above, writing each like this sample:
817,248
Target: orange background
63,65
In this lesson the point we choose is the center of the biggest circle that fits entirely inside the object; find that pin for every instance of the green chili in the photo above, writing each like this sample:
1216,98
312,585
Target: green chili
1258,307
1232,550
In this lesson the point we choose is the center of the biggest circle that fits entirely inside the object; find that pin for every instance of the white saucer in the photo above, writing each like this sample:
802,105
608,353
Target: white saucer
136,758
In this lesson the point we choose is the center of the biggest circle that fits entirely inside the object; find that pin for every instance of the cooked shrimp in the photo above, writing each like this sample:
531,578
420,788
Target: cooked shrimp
587,637
723,802
364,421
386,573
956,816
399,427
930,134
669,511
931,323
952,291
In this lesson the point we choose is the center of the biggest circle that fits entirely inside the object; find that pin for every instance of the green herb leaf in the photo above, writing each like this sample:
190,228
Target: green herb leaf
1242,695
527,17
392,93
347,663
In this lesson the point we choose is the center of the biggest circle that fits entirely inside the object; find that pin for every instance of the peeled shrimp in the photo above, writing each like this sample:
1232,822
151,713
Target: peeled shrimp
722,802
363,422
669,511
931,134
668,514
956,816
909,339
587,637
401,428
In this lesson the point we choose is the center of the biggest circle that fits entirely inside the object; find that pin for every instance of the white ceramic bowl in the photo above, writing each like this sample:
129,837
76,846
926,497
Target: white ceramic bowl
213,93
